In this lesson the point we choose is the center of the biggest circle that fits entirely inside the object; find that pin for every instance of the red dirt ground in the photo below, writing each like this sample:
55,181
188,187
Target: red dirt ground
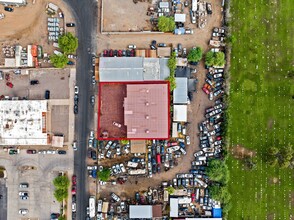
111,109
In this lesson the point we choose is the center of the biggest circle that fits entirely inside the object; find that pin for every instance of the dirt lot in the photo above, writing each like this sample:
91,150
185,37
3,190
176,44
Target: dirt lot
59,120
28,25
118,16
111,109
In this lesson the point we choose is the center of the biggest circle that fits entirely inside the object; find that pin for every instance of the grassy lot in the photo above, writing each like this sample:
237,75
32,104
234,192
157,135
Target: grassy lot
261,112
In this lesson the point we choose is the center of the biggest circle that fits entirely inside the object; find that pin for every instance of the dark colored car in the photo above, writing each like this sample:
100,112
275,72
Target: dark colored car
92,100
137,197
61,152
9,9
105,53
128,52
70,25
9,84
161,45
111,53
115,53
70,63
76,99
119,53
74,180
54,215
132,53
47,94
31,151
34,82
76,109
93,155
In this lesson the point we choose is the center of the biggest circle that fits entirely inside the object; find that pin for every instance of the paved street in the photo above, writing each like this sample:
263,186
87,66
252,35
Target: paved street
3,199
85,13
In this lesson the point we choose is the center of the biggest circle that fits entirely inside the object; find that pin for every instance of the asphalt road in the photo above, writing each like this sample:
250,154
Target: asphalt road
3,199
85,13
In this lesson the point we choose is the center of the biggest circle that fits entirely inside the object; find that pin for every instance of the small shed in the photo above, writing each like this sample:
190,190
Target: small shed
138,146
180,18
181,91
140,211
175,132
180,113
57,141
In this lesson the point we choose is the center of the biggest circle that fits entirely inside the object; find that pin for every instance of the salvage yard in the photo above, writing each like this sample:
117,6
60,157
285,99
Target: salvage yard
261,107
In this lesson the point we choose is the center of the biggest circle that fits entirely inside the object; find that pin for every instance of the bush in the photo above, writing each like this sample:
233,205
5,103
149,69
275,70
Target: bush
60,194
124,142
104,174
59,61
166,24
68,43
215,59
218,171
170,190
195,55
172,63
61,182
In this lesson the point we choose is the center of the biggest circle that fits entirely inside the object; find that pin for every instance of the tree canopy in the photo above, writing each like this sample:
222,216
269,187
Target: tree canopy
166,24
61,182
215,59
281,156
218,171
104,174
60,194
68,43
195,55
172,67
59,61
170,190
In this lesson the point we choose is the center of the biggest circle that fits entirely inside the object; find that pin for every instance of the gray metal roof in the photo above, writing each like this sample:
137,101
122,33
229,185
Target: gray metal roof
113,69
140,211
181,91
116,69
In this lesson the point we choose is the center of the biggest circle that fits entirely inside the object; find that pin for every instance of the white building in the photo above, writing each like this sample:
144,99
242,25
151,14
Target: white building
13,2
23,122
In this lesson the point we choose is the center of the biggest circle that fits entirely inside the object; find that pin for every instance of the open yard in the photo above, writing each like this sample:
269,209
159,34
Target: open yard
261,106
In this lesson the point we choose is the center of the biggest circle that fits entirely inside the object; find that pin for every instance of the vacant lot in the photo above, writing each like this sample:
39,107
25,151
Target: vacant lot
261,106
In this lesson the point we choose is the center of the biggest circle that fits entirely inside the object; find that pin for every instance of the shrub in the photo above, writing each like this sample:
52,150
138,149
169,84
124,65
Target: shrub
68,43
166,24
195,55
59,61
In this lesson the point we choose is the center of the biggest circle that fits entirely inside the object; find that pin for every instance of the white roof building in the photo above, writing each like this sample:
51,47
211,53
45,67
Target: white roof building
180,113
13,2
140,211
23,122
181,91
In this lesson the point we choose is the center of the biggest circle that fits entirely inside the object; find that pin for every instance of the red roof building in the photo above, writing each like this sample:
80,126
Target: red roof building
146,111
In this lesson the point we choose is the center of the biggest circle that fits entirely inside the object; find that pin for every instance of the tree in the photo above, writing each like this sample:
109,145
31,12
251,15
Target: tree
62,217
273,151
215,59
60,194
172,63
68,43
166,24
104,174
218,171
170,190
172,82
209,58
61,182
124,142
219,59
195,55
59,61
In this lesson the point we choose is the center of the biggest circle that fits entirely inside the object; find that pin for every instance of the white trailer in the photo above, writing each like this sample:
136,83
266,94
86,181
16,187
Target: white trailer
194,5
92,206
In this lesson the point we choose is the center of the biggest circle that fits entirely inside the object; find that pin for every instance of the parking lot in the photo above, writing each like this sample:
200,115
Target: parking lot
38,170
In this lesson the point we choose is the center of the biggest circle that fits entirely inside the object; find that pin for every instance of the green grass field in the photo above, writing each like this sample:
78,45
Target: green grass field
261,111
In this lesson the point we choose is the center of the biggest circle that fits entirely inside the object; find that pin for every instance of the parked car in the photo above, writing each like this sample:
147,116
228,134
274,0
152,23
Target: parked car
76,109
132,46
31,151
92,100
47,94
161,45
23,185
61,152
199,153
9,84
70,25
23,211
34,82
9,9
74,146
115,197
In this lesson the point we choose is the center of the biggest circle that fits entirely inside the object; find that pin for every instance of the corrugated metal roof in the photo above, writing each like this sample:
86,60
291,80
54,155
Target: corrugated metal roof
174,207
146,111
140,211
181,91
180,18
118,69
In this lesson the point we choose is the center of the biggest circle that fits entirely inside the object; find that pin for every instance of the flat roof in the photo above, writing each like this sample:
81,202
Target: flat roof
140,211
23,122
138,146
174,207
23,2
180,113
146,111
181,91
123,69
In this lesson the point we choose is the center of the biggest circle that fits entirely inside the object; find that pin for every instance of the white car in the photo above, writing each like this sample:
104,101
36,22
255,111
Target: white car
42,152
132,46
23,185
115,197
74,146
116,124
92,134
199,153
217,75
23,211
172,149
198,163
188,140
74,207
122,167
108,154
76,90
51,152
208,149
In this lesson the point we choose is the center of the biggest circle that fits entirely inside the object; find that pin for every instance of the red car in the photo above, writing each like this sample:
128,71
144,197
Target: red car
111,53
105,53
193,197
73,190
218,138
205,90
9,84
119,53
74,180
31,151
